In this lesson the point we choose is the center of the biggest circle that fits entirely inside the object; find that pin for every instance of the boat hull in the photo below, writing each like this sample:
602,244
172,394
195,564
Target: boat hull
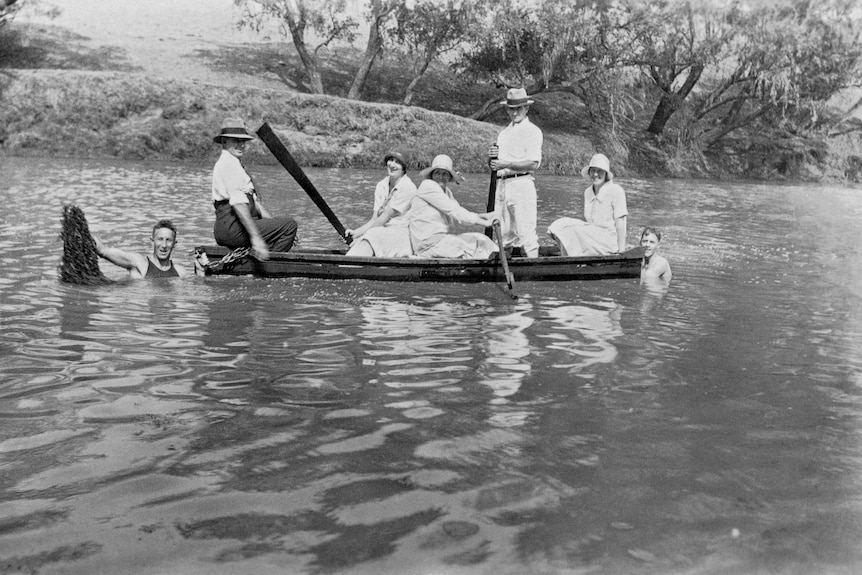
333,264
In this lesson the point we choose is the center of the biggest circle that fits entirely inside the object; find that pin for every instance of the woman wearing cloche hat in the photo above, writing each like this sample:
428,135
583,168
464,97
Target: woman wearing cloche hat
604,231
241,219
434,213
385,234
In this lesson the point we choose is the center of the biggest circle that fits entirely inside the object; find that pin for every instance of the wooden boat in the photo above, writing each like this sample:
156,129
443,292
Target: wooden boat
334,264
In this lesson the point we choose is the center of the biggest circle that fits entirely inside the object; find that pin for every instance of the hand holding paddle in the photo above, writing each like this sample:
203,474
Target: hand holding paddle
493,152
510,278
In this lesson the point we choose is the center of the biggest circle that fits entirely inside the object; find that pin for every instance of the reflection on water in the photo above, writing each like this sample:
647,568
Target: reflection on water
250,425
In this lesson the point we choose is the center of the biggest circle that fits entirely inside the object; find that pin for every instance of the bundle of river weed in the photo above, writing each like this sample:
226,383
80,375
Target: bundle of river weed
80,263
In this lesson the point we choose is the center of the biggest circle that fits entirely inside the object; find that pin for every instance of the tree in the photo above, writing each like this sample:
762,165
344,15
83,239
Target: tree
545,46
7,10
673,43
787,60
324,17
381,10
740,64
430,29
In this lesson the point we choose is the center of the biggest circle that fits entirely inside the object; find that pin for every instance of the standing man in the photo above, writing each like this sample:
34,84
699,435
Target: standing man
515,156
241,218
157,265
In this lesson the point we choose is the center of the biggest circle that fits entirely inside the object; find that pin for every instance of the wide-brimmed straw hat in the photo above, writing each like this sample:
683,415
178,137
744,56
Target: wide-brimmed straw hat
233,128
441,162
601,162
397,157
516,97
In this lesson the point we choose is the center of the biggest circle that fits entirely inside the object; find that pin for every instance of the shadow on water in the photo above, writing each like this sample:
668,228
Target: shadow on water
252,425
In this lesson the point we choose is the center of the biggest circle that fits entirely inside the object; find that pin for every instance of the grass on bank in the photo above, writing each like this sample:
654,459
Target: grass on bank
59,97
131,116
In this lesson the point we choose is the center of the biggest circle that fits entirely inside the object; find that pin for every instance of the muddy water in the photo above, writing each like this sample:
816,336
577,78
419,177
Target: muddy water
243,425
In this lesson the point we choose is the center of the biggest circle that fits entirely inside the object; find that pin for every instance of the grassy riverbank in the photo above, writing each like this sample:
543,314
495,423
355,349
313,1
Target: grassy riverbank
131,97
133,116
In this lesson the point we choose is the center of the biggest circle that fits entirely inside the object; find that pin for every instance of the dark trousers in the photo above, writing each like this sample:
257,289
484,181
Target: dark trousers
278,233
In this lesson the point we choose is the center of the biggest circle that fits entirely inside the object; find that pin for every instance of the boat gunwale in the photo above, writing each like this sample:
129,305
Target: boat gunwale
340,258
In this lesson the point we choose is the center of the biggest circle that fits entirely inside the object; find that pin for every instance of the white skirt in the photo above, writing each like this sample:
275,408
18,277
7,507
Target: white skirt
578,238
389,242
471,245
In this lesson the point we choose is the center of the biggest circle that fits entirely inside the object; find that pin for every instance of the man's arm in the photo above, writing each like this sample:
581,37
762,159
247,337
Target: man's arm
259,246
525,166
264,213
127,260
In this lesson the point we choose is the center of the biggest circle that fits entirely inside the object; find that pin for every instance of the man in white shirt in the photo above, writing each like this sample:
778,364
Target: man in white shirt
515,156
241,218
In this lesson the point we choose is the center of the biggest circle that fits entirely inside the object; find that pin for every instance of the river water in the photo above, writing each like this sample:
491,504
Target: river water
247,425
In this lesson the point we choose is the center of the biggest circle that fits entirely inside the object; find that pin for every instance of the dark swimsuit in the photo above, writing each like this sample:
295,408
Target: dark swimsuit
154,271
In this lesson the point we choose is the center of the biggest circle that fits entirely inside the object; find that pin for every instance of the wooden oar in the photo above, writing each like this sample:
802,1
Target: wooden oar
492,199
510,279
278,149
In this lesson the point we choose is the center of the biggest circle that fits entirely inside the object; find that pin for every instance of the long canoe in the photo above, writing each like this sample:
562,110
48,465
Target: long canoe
333,264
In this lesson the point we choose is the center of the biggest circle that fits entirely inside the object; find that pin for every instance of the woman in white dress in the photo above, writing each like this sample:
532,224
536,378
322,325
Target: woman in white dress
603,229
385,234
435,212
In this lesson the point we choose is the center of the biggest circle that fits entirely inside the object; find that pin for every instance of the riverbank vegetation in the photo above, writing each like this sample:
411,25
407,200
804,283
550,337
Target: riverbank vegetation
667,87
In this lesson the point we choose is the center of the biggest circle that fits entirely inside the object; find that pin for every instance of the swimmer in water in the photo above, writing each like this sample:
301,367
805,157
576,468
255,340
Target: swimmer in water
654,267
157,264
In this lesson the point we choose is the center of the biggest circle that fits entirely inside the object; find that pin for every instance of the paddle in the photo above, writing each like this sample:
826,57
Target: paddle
278,150
492,199
510,279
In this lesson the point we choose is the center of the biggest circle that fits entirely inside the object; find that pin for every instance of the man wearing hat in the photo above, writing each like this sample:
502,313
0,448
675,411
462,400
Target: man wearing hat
514,157
241,219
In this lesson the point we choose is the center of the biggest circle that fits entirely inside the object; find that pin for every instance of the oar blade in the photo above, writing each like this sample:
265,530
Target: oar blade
279,150
510,277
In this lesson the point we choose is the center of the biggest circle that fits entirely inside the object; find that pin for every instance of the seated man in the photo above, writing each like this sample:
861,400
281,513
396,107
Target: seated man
435,211
241,218
156,265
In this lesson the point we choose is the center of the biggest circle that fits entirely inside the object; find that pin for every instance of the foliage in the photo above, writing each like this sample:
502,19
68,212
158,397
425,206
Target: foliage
380,11
8,9
770,65
785,60
677,85
326,18
430,29
131,116
550,46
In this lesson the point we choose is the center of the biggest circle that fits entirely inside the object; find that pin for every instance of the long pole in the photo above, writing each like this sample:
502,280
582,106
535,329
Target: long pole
278,149
510,278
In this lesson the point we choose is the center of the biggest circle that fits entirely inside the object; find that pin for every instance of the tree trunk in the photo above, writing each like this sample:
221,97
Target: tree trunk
379,12
714,136
426,62
666,107
312,68
671,101
296,25
371,52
